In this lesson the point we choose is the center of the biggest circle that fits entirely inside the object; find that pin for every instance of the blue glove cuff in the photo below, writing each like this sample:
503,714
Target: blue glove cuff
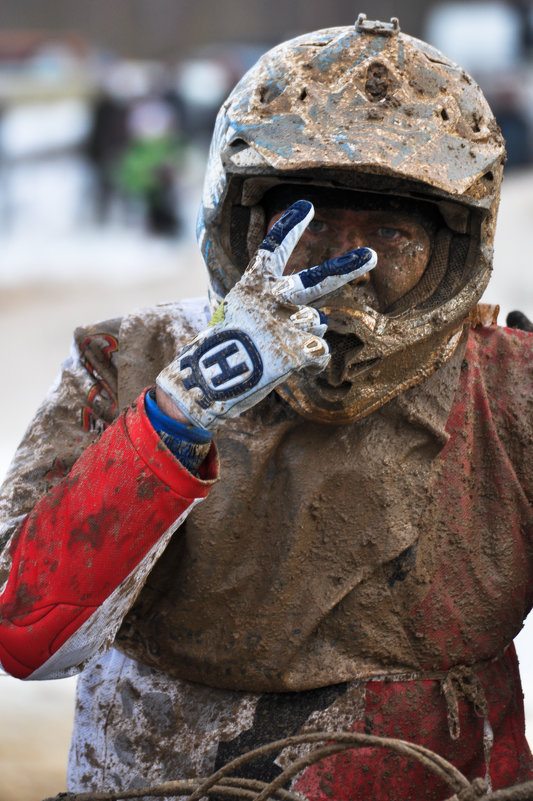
189,444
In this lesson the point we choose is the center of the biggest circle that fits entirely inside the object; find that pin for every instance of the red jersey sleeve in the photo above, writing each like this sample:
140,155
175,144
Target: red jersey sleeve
80,558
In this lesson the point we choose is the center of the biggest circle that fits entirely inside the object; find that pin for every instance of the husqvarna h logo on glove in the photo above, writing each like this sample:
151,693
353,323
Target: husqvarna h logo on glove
223,366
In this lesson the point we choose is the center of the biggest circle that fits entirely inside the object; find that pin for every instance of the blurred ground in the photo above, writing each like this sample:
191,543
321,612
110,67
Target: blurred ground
53,277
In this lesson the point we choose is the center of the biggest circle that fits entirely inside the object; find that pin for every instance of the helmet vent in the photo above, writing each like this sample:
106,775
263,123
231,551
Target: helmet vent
444,114
269,93
303,94
377,81
238,144
343,348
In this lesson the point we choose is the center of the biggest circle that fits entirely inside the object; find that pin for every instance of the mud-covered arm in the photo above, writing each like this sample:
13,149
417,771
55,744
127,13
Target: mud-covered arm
83,521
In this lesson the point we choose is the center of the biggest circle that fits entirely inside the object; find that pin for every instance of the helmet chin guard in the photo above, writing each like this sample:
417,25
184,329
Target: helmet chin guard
370,110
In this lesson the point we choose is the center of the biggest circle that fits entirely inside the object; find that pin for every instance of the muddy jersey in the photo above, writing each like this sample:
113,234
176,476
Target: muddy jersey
369,576
326,552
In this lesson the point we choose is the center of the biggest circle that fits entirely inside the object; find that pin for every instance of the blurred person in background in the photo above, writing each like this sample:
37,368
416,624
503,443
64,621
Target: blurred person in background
135,146
147,167
361,559
105,142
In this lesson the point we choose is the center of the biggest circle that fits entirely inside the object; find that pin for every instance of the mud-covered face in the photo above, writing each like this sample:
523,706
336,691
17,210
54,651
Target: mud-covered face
400,240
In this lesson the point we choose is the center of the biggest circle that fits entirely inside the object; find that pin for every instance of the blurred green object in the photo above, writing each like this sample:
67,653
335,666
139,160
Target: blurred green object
138,171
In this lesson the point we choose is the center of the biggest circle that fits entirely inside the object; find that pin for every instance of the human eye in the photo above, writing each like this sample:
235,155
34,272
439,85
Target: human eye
317,226
389,233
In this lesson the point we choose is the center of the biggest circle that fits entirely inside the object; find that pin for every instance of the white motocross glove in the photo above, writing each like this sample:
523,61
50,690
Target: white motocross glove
263,331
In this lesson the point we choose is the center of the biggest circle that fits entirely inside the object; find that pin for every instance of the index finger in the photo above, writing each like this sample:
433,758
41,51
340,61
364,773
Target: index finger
308,285
285,235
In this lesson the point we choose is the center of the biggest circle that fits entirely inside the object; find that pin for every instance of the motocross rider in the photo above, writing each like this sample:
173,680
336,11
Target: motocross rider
361,558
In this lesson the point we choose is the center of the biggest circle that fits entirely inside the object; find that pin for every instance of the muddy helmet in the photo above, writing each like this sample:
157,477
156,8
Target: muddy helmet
369,110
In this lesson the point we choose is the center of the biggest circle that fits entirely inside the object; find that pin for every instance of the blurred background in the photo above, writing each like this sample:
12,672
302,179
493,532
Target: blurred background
106,110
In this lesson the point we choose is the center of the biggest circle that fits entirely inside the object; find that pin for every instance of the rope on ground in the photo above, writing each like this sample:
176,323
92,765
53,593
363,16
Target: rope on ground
221,784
